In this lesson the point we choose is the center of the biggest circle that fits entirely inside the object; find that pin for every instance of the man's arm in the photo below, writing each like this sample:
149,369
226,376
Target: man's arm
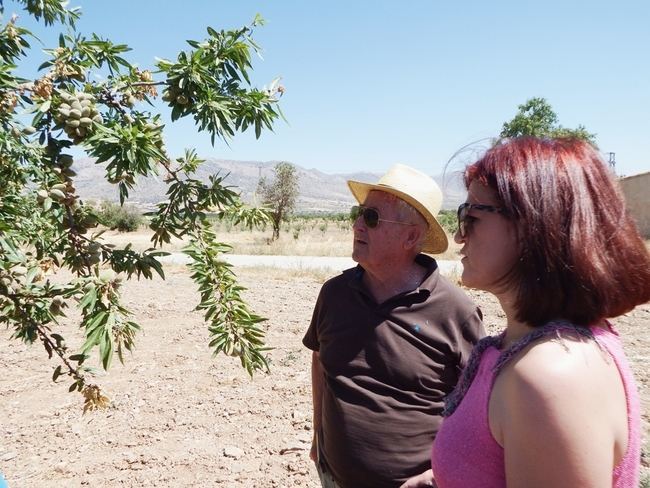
473,330
317,398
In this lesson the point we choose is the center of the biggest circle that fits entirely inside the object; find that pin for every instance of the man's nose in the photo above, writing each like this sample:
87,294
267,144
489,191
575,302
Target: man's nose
359,224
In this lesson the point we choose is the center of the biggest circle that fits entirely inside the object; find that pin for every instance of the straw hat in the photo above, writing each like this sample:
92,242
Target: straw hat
416,189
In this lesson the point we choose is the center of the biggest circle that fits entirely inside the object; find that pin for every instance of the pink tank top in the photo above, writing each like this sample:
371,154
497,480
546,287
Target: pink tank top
465,454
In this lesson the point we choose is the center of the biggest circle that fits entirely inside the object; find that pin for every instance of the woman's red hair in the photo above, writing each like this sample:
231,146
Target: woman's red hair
582,256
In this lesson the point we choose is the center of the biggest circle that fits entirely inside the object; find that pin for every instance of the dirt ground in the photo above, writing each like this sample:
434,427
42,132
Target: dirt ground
181,418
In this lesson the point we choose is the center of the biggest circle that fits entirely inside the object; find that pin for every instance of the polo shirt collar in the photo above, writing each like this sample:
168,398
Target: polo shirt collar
427,286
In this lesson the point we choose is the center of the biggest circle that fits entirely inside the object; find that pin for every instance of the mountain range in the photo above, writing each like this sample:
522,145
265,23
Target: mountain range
318,191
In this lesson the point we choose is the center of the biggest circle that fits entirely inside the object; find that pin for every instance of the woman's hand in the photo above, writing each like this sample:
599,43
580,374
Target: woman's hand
423,480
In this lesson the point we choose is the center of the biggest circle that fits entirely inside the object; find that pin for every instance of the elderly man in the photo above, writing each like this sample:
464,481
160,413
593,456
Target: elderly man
389,340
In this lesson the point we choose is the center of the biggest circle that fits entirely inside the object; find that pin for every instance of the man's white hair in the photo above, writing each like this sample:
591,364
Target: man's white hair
408,213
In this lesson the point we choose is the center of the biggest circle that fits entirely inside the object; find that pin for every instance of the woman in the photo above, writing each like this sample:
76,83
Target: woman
551,402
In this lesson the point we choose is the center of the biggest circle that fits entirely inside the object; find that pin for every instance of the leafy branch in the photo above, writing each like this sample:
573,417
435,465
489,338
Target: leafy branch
90,96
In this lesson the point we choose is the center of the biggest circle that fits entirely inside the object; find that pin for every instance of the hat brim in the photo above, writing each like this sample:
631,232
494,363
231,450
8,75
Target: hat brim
435,241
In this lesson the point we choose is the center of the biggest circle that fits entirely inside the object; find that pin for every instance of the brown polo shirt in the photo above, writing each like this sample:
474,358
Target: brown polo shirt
387,368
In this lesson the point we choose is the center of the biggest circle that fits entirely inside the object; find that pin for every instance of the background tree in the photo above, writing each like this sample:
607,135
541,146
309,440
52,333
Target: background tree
280,194
536,118
91,96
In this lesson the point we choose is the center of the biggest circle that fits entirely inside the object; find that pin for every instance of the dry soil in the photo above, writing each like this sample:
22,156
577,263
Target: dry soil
180,417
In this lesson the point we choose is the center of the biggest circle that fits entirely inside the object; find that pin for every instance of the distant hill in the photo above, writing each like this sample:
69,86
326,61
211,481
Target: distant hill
319,192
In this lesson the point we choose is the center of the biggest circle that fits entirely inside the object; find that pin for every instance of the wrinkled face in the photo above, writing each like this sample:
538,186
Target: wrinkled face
490,246
374,248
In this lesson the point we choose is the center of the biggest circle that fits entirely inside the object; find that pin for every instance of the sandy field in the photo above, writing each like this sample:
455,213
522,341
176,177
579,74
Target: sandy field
181,418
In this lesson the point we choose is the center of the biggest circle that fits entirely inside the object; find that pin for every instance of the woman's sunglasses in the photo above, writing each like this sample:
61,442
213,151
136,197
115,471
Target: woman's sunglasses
370,216
465,220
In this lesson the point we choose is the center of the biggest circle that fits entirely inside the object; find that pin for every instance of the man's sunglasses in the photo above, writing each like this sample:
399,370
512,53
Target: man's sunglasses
370,216
464,219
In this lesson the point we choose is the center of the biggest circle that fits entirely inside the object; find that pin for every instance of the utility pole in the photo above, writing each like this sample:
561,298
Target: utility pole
612,161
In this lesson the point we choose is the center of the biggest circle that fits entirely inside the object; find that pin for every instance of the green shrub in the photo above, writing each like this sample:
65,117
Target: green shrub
448,221
124,219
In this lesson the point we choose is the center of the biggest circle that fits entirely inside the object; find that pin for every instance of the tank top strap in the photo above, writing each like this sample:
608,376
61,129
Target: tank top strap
555,327
469,372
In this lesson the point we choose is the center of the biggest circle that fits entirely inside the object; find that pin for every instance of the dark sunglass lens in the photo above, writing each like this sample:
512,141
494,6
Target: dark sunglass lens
370,217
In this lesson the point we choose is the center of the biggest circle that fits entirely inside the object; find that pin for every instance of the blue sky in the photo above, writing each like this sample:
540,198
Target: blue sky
372,83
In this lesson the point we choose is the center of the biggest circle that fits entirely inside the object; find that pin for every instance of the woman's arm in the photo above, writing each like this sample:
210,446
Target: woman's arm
559,412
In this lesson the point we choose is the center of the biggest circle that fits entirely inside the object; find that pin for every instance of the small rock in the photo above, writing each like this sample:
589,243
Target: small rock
233,452
130,457
293,448
304,437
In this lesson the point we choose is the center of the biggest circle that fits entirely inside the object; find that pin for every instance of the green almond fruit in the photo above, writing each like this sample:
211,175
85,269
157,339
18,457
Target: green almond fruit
57,195
59,186
93,246
29,130
85,122
75,114
76,105
90,220
85,112
72,123
98,118
65,106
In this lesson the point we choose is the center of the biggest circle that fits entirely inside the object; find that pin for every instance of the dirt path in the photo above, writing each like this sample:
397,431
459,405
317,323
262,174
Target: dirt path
181,418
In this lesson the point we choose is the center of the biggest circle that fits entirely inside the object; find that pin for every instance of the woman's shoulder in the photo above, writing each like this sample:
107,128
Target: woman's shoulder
557,365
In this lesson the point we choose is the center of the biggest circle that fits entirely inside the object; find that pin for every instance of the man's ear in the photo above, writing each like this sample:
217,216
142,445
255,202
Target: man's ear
413,236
